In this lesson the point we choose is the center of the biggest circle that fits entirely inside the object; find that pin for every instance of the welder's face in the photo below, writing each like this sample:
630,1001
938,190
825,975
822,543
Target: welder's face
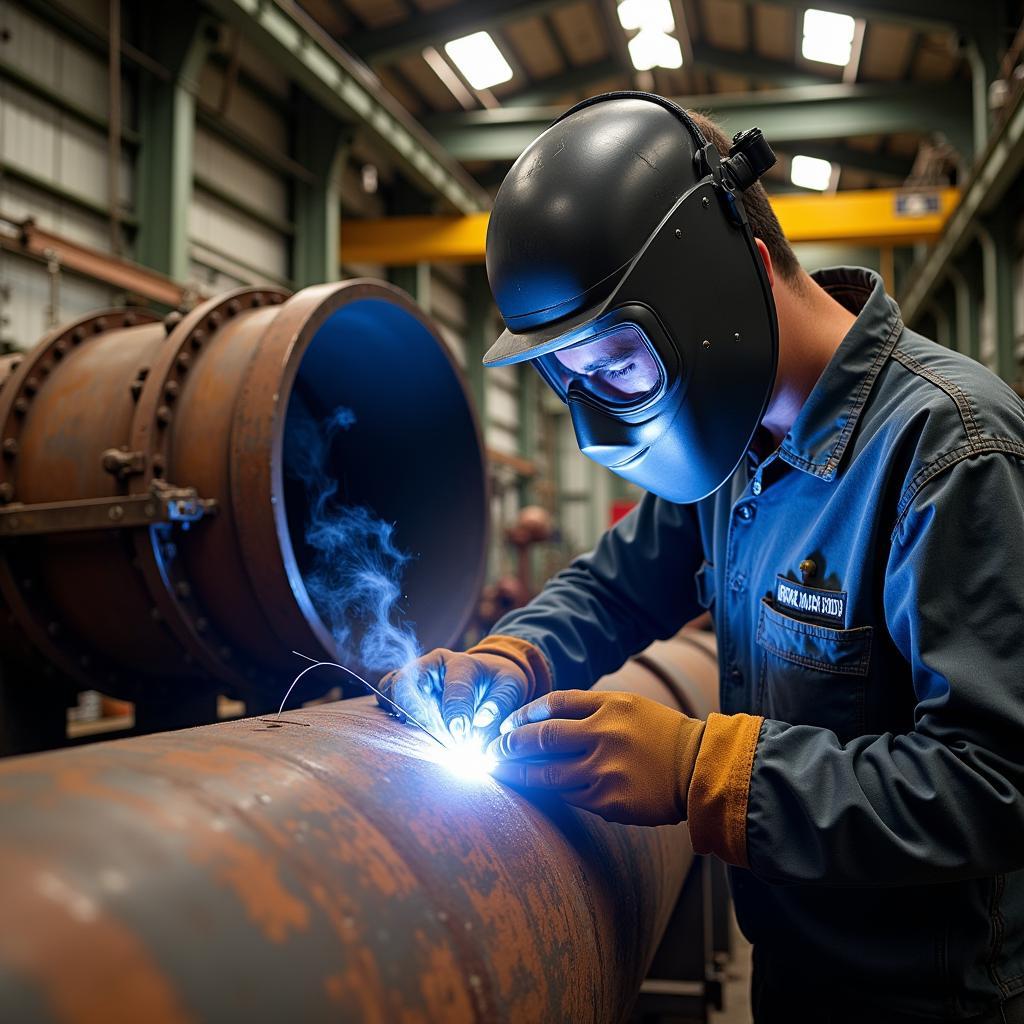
618,366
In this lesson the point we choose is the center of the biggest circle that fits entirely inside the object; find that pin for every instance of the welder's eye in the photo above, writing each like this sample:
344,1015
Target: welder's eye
622,374
619,365
625,373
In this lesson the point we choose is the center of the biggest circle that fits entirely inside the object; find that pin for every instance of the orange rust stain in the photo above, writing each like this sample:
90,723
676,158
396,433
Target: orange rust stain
334,986
519,940
518,934
216,759
442,988
88,965
356,841
78,777
357,990
377,864
253,876
518,924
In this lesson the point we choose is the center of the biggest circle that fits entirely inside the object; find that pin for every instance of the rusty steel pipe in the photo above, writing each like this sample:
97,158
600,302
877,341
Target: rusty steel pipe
123,416
323,869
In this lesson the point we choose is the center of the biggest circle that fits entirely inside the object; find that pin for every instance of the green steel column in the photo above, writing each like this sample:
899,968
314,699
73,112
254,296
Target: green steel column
983,53
902,265
939,311
415,280
529,399
996,239
409,202
321,146
945,305
967,289
478,337
179,38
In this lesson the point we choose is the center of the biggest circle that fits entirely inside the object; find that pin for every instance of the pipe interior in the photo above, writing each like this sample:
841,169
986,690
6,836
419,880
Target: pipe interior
411,456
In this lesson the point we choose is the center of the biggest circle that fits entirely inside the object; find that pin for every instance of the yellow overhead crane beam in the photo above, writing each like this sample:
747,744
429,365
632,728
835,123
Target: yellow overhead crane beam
873,217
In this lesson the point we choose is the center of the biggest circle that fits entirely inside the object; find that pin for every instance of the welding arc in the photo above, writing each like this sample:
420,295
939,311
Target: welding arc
355,675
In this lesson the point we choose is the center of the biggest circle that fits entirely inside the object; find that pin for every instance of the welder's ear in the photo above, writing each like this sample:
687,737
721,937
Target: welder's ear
766,257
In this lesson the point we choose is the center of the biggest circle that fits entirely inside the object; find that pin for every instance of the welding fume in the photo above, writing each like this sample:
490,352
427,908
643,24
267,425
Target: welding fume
354,579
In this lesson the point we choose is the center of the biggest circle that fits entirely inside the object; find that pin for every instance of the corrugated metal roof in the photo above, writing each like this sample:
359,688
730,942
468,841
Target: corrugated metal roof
583,40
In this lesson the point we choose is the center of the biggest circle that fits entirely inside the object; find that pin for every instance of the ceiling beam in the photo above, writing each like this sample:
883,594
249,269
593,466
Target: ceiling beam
871,217
548,90
786,116
927,14
386,45
761,69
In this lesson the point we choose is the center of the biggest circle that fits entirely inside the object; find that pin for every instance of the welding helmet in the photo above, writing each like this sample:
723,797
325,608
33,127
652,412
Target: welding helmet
622,263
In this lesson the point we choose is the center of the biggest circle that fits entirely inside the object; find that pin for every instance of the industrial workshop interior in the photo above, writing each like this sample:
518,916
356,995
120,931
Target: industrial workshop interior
512,512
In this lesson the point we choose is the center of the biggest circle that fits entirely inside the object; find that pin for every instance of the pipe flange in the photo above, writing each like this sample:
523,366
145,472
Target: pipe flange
174,602
187,336
26,378
26,604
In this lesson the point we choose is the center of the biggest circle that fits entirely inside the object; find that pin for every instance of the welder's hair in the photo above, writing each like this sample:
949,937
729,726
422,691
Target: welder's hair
763,222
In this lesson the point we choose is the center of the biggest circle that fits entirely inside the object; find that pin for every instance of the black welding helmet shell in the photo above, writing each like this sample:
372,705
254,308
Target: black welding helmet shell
620,258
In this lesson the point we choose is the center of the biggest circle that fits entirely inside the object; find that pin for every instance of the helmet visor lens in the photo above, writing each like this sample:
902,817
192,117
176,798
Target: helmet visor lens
618,365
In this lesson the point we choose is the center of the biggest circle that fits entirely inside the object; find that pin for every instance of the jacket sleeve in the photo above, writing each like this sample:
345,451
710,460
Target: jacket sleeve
946,799
636,586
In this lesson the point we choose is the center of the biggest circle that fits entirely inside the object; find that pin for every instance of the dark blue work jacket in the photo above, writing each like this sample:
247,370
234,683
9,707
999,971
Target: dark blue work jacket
867,586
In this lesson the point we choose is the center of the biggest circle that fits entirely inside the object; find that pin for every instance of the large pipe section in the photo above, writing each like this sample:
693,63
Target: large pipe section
324,868
150,534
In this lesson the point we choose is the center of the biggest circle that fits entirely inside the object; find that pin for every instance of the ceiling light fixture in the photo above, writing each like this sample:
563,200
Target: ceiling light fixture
652,14
479,60
828,37
810,172
650,49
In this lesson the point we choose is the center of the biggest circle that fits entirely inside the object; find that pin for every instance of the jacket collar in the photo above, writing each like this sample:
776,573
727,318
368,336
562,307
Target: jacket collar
823,428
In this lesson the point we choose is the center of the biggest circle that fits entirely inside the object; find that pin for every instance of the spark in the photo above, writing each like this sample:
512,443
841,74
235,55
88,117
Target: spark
466,757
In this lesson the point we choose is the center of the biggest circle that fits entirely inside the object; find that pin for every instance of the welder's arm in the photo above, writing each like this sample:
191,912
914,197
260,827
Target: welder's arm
636,586
946,800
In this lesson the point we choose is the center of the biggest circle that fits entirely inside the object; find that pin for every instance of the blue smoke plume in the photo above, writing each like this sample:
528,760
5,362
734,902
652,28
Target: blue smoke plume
355,579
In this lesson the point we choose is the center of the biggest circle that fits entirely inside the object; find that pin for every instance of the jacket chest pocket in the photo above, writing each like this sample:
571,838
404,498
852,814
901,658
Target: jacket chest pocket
811,674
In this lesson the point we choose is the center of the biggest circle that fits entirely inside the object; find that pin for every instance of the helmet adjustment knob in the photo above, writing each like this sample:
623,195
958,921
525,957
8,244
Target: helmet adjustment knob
749,157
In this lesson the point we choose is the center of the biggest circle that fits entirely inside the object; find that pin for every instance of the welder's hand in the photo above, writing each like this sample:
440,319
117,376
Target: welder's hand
627,758
477,689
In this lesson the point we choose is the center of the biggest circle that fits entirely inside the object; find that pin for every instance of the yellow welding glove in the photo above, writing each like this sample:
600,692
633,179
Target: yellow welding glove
479,688
624,757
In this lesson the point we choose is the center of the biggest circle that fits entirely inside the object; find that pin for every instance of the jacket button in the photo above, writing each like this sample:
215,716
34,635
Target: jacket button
745,512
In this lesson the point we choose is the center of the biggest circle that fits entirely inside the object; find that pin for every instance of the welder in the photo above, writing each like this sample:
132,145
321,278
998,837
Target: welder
845,497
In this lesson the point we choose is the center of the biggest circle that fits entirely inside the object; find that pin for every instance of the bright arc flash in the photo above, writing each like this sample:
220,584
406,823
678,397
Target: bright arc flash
468,760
